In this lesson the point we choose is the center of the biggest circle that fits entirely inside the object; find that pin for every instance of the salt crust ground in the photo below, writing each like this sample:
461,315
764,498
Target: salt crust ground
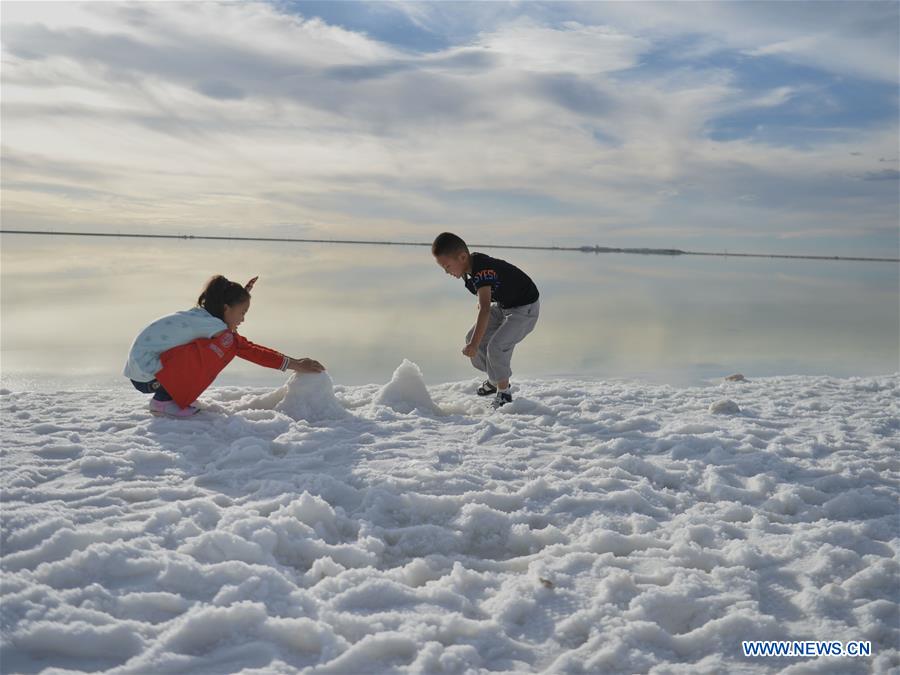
588,527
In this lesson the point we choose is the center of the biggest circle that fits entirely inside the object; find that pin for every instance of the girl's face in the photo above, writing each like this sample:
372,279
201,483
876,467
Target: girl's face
234,314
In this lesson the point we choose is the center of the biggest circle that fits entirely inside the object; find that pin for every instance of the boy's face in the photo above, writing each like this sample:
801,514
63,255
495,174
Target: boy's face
454,264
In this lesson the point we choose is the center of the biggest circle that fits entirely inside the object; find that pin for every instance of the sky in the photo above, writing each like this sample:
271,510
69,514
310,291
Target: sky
745,126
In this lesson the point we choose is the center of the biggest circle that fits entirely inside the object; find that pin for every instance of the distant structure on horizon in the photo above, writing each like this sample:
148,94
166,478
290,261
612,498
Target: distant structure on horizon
644,251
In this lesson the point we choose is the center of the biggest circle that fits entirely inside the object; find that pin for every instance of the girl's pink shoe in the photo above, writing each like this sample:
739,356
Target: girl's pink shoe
171,409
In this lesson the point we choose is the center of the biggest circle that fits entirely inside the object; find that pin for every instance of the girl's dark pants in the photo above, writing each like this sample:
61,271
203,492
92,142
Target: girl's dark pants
152,387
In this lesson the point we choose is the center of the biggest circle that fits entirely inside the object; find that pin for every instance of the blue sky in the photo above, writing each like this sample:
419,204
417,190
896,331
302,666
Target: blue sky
755,126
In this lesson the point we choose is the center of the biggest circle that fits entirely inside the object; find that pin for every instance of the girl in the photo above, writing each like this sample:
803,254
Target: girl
178,356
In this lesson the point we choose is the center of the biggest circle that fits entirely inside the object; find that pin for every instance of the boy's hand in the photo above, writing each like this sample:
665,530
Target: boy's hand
306,366
249,285
470,350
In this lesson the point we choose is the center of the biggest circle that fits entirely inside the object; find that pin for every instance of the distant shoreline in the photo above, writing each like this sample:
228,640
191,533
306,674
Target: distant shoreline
580,249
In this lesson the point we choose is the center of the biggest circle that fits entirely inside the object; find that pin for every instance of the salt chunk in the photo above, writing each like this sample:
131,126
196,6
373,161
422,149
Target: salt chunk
725,407
310,397
407,391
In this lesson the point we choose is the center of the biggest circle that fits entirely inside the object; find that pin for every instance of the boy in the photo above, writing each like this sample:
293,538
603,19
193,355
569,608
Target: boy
507,310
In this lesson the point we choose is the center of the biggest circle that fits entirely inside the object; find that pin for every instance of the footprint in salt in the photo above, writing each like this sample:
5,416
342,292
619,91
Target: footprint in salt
310,397
406,391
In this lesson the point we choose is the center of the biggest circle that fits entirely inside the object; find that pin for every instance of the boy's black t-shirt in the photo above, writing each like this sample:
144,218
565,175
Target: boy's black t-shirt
510,286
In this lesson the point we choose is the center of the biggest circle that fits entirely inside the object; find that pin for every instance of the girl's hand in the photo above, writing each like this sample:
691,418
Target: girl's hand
249,285
470,350
306,366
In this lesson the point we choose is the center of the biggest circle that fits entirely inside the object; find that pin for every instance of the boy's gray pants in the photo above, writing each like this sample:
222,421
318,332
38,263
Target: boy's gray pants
506,328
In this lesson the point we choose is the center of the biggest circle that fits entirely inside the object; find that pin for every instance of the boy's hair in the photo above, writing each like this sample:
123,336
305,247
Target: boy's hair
219,292
447,243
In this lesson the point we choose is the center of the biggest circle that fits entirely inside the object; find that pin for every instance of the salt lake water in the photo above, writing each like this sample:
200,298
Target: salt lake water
71,307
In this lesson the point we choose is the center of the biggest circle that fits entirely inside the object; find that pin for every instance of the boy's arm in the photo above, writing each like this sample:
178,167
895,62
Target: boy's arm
484,312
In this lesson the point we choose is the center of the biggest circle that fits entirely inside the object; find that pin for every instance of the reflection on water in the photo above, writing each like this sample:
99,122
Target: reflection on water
70,308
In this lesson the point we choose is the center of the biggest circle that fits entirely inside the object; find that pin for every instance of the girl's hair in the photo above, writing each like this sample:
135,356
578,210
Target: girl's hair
220,292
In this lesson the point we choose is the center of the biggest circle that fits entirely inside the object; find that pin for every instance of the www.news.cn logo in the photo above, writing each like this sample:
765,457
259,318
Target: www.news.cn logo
807,648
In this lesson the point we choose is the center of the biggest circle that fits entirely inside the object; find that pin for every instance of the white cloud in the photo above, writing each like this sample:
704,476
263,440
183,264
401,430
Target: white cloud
192,115
850,38
575,49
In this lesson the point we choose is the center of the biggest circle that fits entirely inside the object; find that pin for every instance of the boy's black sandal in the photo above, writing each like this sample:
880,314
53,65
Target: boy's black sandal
501,399
486,389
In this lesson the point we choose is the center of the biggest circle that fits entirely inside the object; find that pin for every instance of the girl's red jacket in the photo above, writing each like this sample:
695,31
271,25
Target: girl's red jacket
188,369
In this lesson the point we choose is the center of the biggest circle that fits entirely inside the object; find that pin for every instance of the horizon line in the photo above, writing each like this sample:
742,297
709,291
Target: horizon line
596,249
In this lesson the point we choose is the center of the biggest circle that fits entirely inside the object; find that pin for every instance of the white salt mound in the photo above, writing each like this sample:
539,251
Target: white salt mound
247,542
407,391
725,407
310,397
